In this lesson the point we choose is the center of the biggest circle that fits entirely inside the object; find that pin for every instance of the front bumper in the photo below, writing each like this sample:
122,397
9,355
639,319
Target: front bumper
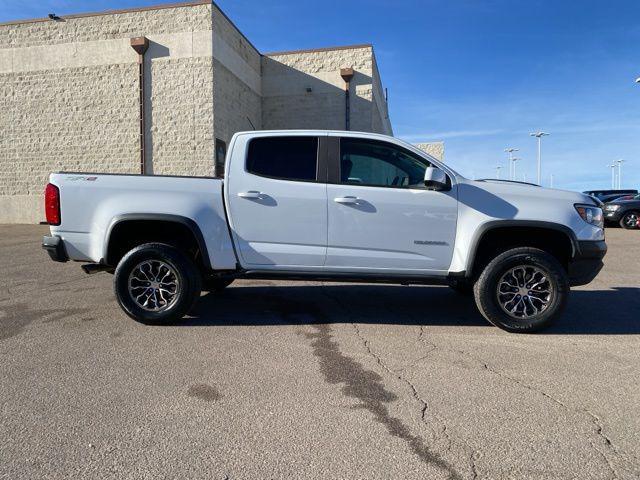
587,262
55,248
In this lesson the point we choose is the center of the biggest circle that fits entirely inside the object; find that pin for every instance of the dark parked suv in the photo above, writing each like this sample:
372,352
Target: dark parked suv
606,195
626,213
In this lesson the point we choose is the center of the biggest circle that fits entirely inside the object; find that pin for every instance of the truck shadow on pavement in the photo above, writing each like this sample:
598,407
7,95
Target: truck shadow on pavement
589,312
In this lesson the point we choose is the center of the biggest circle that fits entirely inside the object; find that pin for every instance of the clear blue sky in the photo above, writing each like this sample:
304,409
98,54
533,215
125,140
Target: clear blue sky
478,74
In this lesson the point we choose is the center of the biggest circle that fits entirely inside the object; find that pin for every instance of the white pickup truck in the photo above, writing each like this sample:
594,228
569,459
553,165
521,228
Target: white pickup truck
330,206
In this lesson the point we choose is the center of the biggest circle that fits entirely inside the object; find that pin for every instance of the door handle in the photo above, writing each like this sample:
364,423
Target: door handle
250,194
347,199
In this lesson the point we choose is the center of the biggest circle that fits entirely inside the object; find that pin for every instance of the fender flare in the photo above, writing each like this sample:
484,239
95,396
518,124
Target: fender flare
495,224
163,217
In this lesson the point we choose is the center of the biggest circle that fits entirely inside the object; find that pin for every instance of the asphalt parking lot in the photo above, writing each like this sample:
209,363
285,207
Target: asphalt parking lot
309,380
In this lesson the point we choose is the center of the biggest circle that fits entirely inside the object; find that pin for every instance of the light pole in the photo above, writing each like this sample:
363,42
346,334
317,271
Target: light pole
539,134
551,180
613,175
510,152
619,162
513,161
498,172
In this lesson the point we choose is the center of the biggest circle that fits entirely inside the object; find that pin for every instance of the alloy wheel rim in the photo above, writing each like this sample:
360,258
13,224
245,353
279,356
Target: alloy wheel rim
153,285
631,220
524,291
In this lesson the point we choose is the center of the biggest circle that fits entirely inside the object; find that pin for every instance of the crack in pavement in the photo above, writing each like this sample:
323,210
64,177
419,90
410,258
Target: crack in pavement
414,391
594,419
472,464
367,387
606,450
349,374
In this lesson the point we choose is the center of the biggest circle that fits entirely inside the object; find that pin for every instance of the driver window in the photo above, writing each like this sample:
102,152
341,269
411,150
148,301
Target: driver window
380,164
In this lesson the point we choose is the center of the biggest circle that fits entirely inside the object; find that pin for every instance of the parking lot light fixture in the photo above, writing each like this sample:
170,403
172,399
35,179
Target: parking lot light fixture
539,135
619,163
510,151
613,175
513,169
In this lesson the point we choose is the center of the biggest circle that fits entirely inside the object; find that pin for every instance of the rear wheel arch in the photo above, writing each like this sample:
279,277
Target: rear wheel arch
496,237
128,231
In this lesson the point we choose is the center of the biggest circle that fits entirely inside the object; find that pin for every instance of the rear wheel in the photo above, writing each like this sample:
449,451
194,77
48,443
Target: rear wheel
630,220
156,284
522,290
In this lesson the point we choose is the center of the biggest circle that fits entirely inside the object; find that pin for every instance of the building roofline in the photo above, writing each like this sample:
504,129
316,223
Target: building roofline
323,49
234,26
162,6
190,3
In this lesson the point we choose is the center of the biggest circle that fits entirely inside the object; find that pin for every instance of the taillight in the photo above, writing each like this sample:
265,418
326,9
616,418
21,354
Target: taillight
52,204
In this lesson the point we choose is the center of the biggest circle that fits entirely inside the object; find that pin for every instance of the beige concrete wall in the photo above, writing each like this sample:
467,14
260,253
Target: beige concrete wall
237,85
180,118
91,27
380,119
435,149
69,93
287,103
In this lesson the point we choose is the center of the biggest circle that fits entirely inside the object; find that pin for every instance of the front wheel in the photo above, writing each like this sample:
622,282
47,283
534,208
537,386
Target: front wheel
522,290
156,283
630,220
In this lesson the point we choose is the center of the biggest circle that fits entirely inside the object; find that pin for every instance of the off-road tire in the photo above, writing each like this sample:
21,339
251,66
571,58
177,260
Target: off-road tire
188,282
487,295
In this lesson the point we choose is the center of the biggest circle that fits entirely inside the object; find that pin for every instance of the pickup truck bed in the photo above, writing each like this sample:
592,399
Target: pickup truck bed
101,201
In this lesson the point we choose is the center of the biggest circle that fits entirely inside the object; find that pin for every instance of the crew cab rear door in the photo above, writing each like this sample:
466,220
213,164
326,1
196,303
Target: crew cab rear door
382,219
277,200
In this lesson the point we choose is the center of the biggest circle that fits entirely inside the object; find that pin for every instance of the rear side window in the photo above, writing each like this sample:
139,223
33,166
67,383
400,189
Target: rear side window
287,158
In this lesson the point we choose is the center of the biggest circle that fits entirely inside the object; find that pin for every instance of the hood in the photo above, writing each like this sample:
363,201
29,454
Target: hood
522,192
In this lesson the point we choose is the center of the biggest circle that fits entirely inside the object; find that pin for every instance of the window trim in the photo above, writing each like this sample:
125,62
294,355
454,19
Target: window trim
335,161
321,172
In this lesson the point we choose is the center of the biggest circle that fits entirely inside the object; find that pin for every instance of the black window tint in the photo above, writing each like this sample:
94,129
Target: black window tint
221,153
374,163
289,158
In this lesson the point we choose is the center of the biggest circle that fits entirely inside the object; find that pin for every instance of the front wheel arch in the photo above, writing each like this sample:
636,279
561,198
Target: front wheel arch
494,238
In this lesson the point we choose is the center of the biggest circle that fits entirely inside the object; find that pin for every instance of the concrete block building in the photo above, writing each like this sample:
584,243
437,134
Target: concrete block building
159,90
435,149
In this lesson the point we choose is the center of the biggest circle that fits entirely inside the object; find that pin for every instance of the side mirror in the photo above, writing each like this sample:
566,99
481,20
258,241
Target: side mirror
435,179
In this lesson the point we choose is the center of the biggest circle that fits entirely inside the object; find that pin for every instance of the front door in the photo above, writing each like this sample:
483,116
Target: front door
382,219
278,203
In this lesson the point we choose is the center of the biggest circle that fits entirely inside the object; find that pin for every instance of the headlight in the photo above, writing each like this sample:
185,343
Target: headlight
590,214
612,208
